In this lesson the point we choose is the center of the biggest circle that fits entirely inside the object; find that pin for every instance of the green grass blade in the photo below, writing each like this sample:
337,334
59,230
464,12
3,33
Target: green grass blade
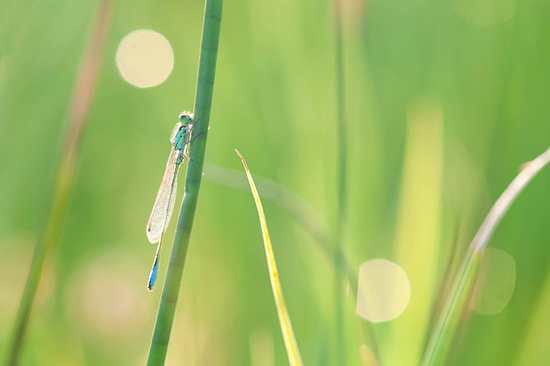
341,185
203,103
418,230
438,345
300,210
65,175
286,326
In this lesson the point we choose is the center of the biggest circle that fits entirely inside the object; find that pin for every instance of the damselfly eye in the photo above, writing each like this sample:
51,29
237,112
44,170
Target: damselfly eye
185,117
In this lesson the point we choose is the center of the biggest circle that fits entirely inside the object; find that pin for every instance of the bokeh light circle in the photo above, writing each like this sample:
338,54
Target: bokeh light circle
384,290
495,282
105,298
144,58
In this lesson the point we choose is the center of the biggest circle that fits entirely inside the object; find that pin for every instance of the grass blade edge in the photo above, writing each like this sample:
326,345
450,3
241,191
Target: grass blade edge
286,326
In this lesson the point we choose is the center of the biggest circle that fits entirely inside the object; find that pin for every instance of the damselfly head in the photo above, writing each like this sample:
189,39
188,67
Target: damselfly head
186,117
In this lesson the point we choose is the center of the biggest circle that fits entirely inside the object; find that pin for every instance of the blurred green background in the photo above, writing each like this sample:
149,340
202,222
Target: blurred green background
445,100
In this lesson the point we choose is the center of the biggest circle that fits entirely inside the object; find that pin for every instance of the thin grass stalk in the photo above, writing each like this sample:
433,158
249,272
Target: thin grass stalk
65,176
341,184
284,319
438,345
203,103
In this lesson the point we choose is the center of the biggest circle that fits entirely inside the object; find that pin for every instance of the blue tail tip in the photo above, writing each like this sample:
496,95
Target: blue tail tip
152,278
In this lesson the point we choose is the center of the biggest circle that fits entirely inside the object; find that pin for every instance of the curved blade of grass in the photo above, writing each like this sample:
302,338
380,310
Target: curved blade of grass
286,326
203,102
440,340
310,220
65,175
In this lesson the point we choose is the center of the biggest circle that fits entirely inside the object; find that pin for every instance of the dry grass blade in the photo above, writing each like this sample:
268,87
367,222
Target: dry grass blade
444,329
286,325
65,176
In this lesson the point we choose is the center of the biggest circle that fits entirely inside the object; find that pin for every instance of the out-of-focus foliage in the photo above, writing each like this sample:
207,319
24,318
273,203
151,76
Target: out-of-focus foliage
443,106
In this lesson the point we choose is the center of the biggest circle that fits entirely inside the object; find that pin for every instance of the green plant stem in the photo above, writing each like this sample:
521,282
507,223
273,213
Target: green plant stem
341,184
65,176
438,344
203,102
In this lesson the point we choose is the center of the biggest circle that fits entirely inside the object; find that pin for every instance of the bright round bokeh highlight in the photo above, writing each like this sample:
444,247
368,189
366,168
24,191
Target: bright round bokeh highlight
106,297
144,58
384,290
495,282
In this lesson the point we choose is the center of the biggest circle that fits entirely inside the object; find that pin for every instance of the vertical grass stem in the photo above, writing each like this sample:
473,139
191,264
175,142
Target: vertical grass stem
341,184
203,102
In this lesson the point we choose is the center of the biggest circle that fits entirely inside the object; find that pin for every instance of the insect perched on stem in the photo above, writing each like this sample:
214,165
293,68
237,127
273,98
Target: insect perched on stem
166,196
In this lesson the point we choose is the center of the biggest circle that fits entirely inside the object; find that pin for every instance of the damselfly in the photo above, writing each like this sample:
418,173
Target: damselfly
166,196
